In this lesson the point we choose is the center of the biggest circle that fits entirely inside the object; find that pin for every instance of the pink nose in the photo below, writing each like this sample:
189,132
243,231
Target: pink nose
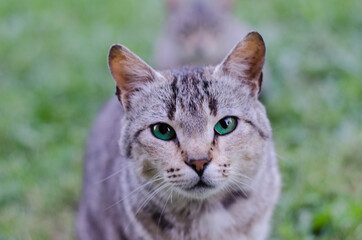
198,165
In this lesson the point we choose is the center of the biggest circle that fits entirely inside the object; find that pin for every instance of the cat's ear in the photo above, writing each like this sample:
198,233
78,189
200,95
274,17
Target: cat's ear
128,71
245,62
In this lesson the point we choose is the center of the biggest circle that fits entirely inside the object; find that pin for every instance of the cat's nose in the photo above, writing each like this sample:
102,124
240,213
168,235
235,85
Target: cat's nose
199,165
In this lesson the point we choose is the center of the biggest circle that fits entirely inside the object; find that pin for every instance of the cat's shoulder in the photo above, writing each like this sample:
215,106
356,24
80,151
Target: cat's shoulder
106,127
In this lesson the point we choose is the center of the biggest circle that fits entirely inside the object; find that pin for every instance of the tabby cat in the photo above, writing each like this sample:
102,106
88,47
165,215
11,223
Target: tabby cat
188,154
197,32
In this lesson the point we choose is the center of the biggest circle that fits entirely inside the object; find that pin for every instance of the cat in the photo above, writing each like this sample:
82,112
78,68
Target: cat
182,154
197,32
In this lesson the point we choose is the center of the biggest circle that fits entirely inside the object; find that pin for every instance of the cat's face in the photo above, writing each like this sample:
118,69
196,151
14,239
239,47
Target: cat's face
200,131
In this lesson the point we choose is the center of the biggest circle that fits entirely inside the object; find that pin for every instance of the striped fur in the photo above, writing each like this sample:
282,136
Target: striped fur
138,187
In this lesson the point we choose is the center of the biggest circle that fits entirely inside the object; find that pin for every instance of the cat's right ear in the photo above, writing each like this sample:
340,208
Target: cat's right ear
245,62
128,71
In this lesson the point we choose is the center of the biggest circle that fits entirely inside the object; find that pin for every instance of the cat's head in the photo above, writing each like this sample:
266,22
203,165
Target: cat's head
197,27
199,131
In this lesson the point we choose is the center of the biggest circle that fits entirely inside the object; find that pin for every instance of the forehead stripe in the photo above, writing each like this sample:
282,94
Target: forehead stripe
212,100
171,105
190,89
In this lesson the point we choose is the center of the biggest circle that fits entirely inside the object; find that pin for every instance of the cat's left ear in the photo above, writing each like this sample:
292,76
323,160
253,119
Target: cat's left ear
128,71
245,62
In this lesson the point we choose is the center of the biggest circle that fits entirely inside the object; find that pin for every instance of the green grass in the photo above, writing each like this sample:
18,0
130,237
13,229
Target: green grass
54,77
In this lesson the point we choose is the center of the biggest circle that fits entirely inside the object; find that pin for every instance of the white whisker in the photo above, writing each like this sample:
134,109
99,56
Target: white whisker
110,176
163,209
240,175
139,188
237,184
152,195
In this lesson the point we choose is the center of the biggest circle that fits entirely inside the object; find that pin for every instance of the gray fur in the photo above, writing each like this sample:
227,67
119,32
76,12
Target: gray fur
139,188
197,32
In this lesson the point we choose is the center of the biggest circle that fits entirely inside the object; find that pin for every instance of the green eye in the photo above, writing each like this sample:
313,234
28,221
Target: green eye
163,131
225,125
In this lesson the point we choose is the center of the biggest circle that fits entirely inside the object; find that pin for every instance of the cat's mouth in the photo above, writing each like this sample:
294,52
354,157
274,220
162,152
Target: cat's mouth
200,190
200,185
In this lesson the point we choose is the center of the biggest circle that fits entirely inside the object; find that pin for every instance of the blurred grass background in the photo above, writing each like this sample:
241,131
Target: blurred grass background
54,78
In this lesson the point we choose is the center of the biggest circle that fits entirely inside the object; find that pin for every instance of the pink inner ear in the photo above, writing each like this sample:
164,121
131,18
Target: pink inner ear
128,70
247,58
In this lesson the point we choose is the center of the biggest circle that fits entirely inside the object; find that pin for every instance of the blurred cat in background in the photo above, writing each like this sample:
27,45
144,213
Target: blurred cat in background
197,32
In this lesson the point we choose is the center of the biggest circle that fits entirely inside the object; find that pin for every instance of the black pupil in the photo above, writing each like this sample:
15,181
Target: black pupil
225,122
163,128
